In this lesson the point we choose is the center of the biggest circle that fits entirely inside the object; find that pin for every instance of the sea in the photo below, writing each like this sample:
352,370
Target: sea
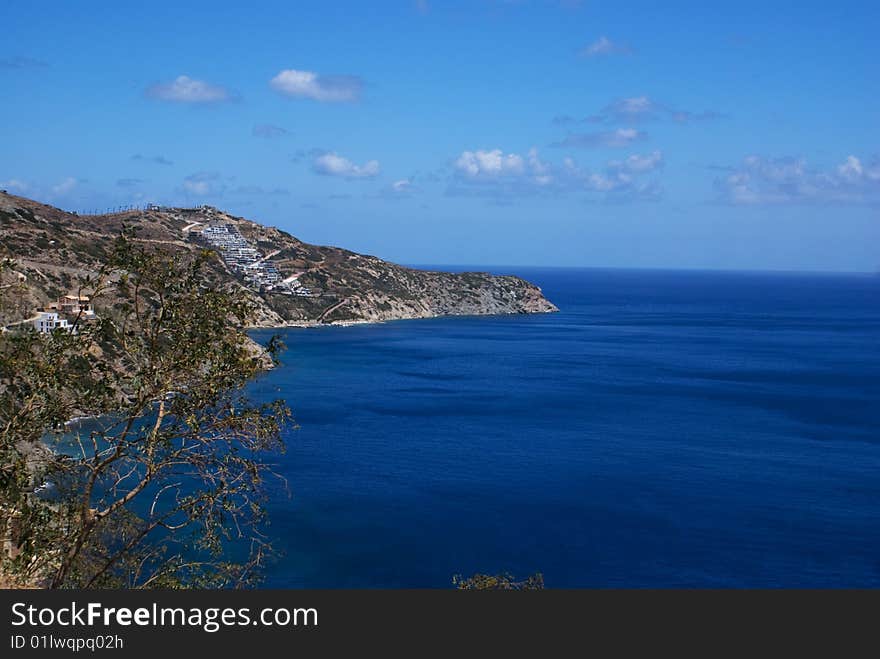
664,429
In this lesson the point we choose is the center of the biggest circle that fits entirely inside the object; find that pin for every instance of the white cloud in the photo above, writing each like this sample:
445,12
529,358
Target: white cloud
403,186
541,171
623,136
621,186
853,171
15,185
638,164
476,165
400,189
605,46
64,187
496,166
760,180
500,174
621,180
325,88
184,89
332,164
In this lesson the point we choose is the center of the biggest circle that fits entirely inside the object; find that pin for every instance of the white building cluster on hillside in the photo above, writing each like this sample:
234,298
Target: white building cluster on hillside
243,258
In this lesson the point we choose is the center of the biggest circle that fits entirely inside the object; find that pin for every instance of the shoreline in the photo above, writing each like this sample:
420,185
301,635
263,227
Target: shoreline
313,324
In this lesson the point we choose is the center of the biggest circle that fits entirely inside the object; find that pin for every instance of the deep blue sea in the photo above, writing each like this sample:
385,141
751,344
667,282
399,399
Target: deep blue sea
688,429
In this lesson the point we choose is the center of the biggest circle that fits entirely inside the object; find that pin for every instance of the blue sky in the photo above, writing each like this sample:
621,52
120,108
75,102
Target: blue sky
532,132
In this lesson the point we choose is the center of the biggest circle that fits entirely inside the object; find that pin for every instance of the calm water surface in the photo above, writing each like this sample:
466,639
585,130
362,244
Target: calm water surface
664,429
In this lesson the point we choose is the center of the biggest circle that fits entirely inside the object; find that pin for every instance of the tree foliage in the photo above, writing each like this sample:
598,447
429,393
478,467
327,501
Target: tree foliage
165,487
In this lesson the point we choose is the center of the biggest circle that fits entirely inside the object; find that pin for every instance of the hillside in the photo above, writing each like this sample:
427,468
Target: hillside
290,281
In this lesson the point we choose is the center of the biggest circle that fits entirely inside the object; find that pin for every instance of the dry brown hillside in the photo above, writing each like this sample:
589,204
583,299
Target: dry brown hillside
51,249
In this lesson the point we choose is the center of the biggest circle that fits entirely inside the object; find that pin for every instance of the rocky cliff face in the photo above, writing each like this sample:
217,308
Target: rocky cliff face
52,248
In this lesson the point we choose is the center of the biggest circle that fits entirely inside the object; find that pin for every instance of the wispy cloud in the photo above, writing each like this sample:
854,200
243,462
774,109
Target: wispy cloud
639,109
157,160
64,187
14,185
203,184
637,163
604,46
422,6
268,131
184,89
614,139
624,180
325,88
403,186
332,164
620,181
765,181
19,62
128,182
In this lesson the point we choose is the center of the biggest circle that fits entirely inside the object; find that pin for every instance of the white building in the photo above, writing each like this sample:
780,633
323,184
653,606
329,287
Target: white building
47,322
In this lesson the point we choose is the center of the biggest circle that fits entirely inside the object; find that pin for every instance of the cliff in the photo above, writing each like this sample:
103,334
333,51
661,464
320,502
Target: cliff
290,281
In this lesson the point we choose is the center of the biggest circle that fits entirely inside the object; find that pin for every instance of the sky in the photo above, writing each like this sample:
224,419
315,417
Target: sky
528,132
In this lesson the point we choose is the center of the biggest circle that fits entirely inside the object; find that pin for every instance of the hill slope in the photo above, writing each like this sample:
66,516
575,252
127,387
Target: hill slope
315,284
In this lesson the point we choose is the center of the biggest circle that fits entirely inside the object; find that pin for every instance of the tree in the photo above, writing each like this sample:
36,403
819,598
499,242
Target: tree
166,488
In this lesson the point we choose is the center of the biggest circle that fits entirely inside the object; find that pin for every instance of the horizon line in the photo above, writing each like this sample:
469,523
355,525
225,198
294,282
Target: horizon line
422,266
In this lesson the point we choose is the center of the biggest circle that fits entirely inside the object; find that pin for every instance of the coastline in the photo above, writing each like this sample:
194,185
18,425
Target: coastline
314,324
